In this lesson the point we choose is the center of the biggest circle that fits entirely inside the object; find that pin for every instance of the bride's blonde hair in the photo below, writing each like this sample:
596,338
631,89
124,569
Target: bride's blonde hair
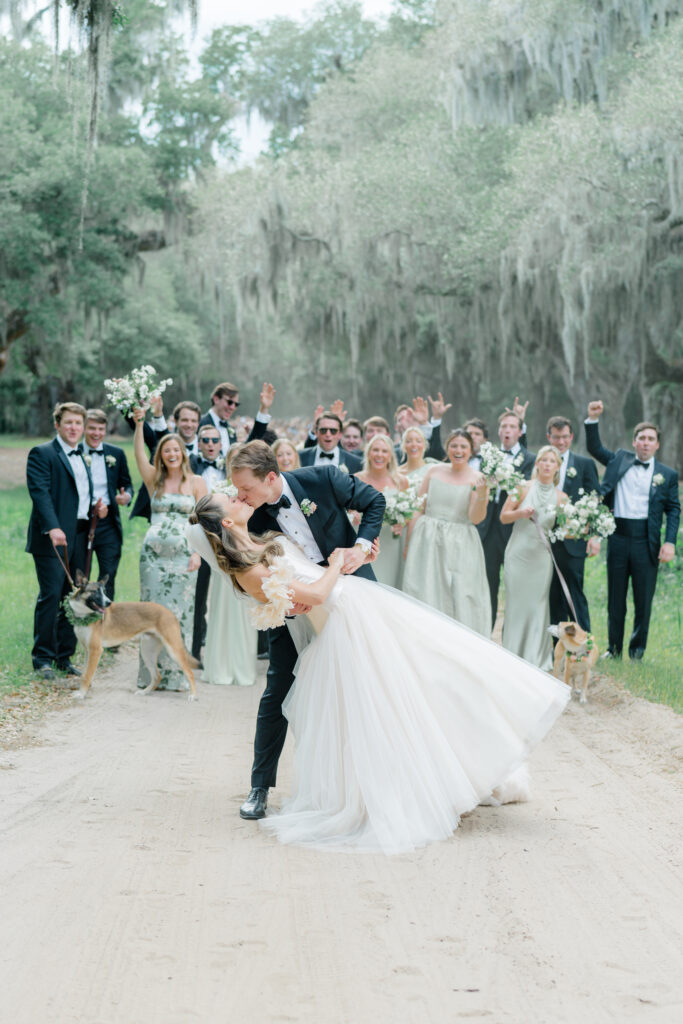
233,560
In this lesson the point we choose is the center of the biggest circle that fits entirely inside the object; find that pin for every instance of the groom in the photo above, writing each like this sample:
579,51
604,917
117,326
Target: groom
309,506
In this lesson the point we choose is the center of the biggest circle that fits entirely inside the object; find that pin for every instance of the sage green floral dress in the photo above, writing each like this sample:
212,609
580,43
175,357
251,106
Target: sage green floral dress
164,578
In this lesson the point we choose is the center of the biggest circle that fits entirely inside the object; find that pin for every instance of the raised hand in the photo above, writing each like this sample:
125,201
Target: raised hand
439,407
337,408
156,404
123,497
266,397
595,409
138,414
518,409
319,410
420,410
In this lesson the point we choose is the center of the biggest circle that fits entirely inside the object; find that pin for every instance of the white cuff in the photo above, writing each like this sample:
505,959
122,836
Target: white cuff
262,417
591,421
312,435
427,429
434,423
159,423
364,543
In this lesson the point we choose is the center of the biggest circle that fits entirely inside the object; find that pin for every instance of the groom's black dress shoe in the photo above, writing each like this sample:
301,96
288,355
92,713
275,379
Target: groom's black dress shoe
255,805
66,666
636,654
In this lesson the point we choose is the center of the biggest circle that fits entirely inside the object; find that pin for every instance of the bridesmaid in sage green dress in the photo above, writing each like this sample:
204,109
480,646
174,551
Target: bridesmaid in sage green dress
380,470
414,446
445,559
166,564
528,567
231,640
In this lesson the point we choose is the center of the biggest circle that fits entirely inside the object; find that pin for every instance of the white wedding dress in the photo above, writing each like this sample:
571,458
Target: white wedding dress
403,719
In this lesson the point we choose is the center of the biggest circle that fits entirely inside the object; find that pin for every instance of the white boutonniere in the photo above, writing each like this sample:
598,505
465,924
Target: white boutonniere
518,459
110,460
343,468
657,479
308,507
571,472
87,459
220,462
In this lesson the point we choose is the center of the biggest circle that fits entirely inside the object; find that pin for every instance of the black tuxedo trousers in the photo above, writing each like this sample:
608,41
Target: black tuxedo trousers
629,557
53,638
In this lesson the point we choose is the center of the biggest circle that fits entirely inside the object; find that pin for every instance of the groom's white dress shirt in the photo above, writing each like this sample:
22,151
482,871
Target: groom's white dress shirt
293,524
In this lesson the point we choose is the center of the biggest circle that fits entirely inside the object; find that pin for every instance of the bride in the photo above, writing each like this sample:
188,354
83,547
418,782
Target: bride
403,719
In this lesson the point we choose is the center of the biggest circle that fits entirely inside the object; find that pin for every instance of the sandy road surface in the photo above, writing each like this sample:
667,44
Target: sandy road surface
131,892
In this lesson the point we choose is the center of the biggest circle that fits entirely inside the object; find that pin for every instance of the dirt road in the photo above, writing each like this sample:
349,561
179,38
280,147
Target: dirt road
132,893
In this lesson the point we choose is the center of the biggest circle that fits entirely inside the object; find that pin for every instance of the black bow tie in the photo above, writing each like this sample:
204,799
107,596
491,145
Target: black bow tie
76,451
96,451
206,462
223,423
637,462
326,455
284,502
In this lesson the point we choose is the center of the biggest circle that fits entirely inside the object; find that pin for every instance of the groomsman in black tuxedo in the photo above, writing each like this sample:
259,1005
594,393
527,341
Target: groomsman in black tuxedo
640,490
209,464
280,503
327,450
576,473
61,490
225,399
479,432
494,534
112,488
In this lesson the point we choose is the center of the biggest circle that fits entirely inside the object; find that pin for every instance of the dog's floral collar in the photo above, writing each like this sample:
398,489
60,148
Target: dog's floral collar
589,645
86,620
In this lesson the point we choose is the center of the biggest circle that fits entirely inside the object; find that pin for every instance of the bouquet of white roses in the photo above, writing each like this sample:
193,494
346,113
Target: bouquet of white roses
586,517
499,471
135,390
402,506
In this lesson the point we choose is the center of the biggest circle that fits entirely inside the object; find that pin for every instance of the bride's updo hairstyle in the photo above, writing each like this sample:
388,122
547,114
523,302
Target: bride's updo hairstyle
209,514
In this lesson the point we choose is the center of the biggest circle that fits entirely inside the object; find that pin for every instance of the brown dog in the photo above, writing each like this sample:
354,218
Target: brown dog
98,623
579,652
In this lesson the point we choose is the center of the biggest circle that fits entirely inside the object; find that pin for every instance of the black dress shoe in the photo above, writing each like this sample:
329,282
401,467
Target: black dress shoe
255,805
45,672
636,654
66,666
611,655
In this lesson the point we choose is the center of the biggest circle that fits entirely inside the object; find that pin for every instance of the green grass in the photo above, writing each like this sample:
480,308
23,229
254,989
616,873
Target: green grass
659,677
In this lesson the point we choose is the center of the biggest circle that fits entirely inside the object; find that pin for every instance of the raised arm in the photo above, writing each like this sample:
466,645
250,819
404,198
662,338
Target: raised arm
593,443
145,467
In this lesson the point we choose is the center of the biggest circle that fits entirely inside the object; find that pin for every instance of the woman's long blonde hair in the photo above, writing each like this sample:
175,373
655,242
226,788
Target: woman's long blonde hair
281,441
160,471
209,514
392,466
548,448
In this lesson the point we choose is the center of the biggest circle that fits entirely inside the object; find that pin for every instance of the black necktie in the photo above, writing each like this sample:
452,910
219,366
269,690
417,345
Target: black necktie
637,462
284,502
76,451
223,423
327,455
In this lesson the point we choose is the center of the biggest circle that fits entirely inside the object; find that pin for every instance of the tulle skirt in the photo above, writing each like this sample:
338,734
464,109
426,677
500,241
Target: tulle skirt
403,720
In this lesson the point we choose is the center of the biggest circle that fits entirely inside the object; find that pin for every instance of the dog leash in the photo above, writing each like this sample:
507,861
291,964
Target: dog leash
64,564
563,582
91,540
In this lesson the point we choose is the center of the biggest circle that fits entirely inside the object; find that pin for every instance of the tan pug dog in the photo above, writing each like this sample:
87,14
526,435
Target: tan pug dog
579,652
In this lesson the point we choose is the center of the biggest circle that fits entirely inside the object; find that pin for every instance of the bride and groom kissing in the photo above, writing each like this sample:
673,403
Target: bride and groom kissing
403,719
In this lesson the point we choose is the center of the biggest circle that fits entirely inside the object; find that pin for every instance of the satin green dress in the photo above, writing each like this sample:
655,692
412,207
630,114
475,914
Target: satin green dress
528,572
230,649
445,564
388,566
165,578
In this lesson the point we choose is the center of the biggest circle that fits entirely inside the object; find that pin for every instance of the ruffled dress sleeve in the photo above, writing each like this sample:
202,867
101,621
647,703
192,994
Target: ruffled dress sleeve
276,587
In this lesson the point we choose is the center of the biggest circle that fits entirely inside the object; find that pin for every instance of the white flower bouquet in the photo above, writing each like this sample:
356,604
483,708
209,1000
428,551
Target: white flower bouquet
499,471
224,487
402,506
586,517
135,390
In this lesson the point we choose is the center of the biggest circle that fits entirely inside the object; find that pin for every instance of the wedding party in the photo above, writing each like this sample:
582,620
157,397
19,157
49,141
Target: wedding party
340,456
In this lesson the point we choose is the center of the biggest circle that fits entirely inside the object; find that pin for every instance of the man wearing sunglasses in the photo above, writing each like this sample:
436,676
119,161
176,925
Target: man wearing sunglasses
225,399
327,450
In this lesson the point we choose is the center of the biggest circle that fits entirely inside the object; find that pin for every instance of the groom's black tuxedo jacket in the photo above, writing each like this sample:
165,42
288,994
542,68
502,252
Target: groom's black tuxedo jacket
333,492
52,486
663,497
585,477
